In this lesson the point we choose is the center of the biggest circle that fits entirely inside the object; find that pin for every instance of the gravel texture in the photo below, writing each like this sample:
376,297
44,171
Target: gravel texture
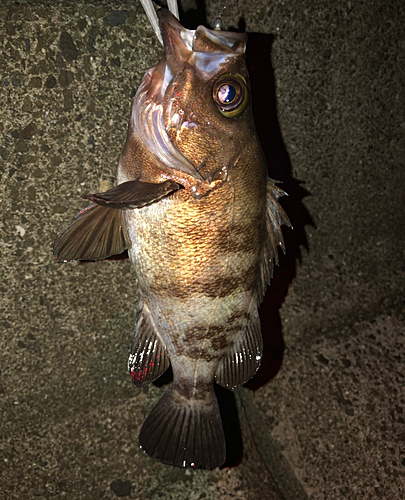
324,417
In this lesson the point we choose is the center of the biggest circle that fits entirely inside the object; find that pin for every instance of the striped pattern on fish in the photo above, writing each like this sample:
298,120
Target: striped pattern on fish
202,225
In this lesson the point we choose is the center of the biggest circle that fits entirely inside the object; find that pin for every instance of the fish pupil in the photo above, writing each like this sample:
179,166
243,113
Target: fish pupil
226,93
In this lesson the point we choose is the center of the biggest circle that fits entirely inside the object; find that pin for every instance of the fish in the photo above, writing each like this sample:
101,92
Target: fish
201,221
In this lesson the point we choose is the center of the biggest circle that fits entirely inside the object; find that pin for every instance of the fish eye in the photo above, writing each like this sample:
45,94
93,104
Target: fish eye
231,95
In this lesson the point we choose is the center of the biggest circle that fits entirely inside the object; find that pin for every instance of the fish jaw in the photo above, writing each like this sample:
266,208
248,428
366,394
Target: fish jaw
203,48
148,124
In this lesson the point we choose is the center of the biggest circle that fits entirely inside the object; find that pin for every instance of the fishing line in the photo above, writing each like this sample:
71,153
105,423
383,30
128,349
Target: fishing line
218,23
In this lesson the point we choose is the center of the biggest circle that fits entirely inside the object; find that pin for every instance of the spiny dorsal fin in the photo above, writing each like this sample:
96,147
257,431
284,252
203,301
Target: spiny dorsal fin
243,359
275,218
149,358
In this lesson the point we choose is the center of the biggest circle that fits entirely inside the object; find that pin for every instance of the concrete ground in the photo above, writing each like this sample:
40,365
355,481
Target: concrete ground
324,416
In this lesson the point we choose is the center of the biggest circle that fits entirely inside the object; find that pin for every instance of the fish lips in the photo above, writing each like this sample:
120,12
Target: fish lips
203,48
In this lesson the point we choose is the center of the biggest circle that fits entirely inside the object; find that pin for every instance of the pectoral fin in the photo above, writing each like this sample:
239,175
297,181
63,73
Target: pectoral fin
96,233
133,194
149,358
242,360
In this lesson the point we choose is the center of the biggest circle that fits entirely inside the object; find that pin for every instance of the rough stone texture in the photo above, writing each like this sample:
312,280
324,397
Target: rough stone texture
330,425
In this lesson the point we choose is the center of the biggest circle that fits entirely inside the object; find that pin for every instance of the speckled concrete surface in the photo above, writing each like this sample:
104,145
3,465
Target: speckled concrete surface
330,424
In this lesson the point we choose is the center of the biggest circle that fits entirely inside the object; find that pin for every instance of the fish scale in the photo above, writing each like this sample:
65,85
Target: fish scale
201,222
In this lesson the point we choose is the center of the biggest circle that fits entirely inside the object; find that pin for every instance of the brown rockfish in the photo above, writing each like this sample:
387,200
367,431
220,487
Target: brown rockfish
200,219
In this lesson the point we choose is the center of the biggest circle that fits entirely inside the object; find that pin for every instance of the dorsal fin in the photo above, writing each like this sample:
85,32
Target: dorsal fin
275,218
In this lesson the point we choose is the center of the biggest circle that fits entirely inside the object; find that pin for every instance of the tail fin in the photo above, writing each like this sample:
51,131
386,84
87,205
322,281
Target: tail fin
185,432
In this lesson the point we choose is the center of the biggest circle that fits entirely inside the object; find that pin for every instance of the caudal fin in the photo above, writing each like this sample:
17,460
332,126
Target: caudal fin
185,432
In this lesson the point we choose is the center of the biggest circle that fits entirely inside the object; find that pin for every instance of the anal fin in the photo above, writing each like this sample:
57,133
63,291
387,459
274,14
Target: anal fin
243,359
148,358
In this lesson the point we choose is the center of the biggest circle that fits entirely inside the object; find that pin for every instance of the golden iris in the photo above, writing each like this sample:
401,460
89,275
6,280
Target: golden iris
231,95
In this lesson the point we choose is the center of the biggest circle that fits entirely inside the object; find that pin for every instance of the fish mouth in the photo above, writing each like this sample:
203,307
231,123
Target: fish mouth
203,49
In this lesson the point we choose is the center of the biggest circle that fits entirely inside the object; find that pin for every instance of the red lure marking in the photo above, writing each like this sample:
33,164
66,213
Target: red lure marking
142,374
84,210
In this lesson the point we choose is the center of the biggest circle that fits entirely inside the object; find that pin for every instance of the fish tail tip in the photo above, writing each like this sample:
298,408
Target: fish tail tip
184,433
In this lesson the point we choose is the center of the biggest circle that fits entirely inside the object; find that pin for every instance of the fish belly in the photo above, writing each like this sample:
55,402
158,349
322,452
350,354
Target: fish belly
197,265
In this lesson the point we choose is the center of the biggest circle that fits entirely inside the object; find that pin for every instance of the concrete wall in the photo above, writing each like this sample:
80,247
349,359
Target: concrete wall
324,417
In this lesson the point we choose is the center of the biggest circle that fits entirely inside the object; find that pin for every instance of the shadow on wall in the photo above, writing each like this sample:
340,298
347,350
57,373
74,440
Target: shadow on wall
279,168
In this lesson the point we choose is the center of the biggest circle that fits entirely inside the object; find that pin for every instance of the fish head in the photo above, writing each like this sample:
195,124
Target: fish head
193,109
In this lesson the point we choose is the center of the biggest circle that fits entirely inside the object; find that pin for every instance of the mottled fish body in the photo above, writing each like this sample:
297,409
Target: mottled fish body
201,221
